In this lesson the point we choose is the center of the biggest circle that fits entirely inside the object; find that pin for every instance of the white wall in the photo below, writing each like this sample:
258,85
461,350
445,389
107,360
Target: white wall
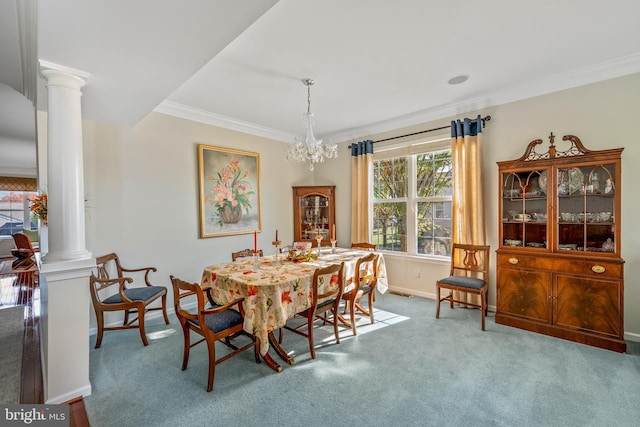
143,190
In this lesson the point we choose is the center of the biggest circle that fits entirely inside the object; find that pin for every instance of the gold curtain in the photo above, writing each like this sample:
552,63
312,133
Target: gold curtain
468,225
11,183
361,165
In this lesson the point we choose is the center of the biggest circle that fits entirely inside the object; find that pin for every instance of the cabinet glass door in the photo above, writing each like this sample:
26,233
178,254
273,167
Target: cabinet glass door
315,217
586,205
524,209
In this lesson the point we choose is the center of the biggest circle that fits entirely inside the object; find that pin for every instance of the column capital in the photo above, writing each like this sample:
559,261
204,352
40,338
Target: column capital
58,75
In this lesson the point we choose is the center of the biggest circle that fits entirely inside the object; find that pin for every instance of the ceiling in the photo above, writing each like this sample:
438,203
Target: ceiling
378,64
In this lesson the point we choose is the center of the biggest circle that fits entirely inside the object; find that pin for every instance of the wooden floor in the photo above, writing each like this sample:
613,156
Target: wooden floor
22,287
78,413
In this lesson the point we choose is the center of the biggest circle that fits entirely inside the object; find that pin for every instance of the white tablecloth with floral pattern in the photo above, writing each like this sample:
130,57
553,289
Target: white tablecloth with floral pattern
274,293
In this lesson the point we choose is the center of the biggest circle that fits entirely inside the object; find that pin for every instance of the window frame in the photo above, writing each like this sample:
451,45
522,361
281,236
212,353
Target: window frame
411,149
24,210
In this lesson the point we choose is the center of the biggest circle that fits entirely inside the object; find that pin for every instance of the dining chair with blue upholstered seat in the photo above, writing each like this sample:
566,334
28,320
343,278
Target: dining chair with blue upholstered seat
468,274
326,293
110,291
217,323
244,254
365,278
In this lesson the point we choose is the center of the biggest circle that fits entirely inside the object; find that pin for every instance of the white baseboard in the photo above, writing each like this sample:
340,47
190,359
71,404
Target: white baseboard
82,391
413,292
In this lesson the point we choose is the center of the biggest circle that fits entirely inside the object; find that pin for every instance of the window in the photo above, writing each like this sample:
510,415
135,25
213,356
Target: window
412,187
14,212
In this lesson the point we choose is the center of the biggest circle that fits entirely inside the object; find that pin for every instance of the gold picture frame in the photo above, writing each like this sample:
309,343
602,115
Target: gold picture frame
229,182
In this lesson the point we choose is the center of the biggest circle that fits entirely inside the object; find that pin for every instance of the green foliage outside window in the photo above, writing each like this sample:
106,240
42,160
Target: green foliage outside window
393,188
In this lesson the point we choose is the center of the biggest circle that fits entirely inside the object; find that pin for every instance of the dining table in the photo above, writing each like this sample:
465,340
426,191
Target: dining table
275,288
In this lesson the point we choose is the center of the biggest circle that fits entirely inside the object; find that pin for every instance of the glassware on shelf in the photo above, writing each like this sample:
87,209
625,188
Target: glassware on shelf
608,245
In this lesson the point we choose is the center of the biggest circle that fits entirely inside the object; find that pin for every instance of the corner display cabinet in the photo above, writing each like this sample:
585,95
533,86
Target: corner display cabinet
559,270
314,212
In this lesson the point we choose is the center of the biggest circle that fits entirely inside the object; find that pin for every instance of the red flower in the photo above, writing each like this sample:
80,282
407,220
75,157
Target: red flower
286,298
252,290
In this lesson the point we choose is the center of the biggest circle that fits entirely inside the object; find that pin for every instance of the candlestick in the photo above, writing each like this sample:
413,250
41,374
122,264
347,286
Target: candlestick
333,232
319,240
276,234
277,244
255,241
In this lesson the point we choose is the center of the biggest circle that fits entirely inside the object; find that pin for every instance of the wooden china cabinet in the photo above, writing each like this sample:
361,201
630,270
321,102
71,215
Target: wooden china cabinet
559,270
314,212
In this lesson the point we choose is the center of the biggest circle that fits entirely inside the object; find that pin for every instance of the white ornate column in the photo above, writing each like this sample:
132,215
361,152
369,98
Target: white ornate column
65,172
64,284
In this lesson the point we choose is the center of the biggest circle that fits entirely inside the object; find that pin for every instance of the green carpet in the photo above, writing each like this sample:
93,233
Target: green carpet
11,342
408,369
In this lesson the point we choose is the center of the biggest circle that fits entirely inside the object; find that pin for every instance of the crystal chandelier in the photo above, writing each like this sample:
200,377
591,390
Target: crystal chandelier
311,149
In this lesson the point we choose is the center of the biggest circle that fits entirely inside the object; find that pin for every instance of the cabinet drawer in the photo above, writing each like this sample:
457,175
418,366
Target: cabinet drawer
525,261
591,268
584,267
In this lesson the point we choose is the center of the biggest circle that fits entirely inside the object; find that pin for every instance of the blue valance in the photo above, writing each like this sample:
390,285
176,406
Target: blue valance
361,148
468,127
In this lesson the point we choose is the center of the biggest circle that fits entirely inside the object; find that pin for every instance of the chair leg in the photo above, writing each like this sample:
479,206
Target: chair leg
437,301
451,299
371,299
352,315
164,309
143,334
256,348
335,324
483,303
312,349
212,364
100,322
187,346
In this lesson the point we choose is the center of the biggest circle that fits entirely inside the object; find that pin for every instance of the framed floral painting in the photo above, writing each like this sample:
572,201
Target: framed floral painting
229,191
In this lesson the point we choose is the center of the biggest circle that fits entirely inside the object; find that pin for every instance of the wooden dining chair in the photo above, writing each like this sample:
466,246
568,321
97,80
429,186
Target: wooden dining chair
364,245
469,274
365,278
244,253
217,323
24,252
325,298
110,291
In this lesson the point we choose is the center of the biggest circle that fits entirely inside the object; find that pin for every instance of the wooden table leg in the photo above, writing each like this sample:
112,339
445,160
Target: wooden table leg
271,363
278,348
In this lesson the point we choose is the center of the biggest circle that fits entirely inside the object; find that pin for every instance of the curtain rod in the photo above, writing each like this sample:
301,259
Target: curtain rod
484,119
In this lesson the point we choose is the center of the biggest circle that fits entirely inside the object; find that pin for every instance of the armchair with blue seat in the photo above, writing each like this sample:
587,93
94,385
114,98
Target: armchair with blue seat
110,291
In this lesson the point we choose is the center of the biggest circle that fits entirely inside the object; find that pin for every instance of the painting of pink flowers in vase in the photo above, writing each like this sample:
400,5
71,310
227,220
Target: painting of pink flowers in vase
229,191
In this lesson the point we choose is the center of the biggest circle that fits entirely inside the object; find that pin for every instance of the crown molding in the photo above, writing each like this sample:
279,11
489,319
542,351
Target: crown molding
617,67
190,113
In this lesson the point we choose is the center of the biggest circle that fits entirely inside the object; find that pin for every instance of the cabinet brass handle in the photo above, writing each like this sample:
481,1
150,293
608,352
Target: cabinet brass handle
513,261
598,269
